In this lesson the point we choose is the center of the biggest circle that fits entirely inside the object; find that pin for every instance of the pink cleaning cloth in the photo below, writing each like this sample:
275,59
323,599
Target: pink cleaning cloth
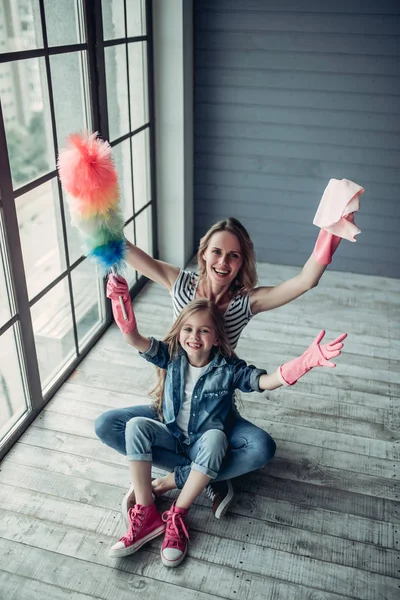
340,198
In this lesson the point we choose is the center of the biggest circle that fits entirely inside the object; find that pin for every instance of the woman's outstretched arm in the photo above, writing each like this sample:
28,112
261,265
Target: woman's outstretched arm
156,270
266,298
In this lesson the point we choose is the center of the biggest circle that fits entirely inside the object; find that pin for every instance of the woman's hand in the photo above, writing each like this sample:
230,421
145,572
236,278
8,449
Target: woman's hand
118,292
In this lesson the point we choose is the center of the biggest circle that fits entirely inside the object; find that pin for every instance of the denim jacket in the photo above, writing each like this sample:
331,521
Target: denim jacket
212,399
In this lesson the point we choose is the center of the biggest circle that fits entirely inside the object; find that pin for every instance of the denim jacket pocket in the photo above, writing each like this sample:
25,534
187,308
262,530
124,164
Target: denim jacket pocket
211,401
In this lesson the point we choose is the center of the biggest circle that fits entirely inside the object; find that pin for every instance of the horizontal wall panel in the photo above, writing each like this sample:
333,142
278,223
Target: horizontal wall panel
250,147
309,168
376,192
287,96
249,21
333,43
295,116
372,7
309,99
298,206
325,136
289,80
301,61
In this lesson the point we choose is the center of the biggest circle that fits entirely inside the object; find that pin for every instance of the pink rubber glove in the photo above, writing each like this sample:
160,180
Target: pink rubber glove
317,355
325,247
118,291
327,243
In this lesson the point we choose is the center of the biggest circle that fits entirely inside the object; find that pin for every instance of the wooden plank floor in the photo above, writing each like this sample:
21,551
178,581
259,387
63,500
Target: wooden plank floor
320,522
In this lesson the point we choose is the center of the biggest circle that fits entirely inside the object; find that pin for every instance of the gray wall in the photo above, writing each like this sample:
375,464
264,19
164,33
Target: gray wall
289,94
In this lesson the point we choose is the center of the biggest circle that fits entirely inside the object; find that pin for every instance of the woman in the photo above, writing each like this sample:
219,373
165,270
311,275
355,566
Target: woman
227,276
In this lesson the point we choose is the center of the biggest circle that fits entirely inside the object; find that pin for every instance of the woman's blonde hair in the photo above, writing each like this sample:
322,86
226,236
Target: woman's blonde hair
246,279
172,340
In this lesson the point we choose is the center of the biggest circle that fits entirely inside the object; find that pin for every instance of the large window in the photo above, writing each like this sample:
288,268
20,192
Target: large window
65,66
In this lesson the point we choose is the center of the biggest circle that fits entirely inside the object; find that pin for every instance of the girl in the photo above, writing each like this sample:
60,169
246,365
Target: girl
227,276
198,373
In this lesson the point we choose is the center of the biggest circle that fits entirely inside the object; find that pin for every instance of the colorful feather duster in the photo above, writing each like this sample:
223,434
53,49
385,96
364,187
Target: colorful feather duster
88,176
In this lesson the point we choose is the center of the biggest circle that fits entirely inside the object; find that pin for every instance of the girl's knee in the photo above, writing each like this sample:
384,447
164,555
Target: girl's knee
215,438
135,425
104,424
259,448
265,447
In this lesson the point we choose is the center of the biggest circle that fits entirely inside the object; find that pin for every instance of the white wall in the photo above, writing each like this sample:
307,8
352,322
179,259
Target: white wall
173,81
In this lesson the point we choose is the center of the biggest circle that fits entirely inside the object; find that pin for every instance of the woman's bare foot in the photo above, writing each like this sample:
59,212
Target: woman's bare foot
159,486
163,484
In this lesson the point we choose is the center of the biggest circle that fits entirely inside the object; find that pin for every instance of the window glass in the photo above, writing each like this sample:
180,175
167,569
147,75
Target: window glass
13,403
136,17
123,164
117,91
88,290
71,104
5,309
113,19
130,274
137,59
21,26
141,168
25,105
75,241
62,22
144,231
54,338
41,235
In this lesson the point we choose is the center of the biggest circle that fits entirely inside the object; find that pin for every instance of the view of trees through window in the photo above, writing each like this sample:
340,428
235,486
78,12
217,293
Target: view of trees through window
26,148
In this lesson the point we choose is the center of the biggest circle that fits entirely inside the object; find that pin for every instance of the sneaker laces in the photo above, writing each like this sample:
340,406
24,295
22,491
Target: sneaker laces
175,528
210,492
136,518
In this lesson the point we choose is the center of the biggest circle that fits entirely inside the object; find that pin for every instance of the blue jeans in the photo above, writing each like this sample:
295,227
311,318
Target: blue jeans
205,454
249,447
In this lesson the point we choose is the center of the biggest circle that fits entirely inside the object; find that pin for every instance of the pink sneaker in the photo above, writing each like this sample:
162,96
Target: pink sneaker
145,524
129,501
174,547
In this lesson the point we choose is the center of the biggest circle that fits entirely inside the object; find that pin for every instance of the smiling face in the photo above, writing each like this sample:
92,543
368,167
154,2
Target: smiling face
197,337
223,257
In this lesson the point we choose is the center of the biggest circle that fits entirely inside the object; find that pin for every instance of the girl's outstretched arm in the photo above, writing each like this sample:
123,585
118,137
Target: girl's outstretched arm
117,287
317,355
156,270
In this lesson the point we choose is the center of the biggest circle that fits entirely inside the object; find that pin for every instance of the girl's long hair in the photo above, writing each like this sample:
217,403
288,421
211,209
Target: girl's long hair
172,340
246,279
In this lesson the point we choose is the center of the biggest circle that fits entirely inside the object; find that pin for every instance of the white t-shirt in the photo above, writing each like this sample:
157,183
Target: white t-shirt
193,374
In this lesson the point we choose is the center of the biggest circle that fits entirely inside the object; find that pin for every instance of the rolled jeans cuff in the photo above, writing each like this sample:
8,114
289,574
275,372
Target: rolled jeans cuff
205,470
181,475
145,457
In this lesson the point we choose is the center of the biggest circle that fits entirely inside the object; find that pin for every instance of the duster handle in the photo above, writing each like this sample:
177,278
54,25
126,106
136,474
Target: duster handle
121,300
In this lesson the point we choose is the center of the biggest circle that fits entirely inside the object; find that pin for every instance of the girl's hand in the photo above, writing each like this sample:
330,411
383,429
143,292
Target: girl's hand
317,355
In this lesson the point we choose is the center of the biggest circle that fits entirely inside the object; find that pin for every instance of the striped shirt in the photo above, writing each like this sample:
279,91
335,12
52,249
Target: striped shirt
236,316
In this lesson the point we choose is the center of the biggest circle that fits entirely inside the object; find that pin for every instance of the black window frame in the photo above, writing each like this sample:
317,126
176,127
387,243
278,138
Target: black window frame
95,47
